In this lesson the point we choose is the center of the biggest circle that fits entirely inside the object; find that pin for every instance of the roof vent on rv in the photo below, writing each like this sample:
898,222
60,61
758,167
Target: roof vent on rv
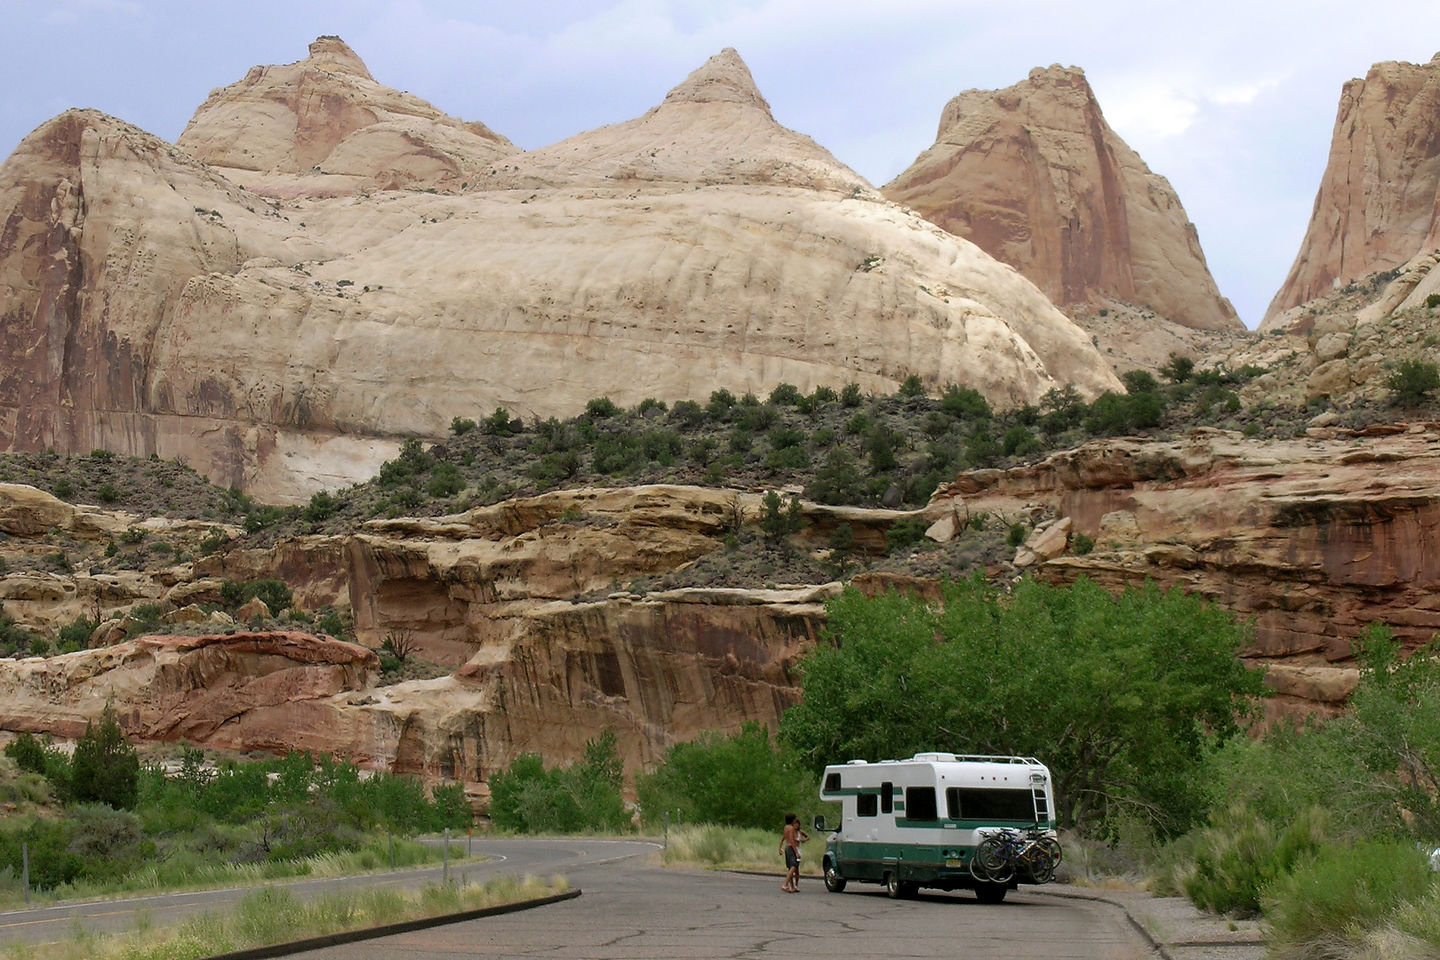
936,757
851,763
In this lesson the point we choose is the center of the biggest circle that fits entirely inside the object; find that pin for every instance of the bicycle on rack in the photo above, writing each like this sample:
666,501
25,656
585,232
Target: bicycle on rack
1007,851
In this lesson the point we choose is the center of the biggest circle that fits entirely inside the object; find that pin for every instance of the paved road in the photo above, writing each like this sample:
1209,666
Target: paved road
540,857
631,911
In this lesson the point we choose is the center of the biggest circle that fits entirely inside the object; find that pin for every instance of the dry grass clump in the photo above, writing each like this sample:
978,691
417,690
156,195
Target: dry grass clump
273,915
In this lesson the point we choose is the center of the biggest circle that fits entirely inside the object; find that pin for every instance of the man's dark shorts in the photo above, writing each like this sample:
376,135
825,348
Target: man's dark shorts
792,858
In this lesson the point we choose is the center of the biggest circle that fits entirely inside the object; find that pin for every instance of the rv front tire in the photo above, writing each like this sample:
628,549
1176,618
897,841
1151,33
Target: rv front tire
833,881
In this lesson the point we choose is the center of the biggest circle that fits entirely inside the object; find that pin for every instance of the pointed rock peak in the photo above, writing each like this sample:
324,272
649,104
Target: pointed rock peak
1044,85
723,78
333,54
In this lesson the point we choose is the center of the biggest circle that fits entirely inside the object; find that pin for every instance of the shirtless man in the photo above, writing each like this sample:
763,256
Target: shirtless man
790,841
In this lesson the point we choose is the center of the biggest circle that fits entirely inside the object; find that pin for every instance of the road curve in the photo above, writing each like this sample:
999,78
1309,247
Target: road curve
632,910
540,857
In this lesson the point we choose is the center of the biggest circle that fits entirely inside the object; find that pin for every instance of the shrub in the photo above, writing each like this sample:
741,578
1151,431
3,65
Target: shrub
912,386
1016,536
1081,544
688,413
1177,369
597,409
720,403
963,403
823,395
275,593
1433,301
76,634
321,506
837,482
213,541
445,480
499,424
1239,855
1325,906
459,426
27,753
108,493
777,523
905,532
1139,381
1412,382
63,489
850,395
785,395
1019,441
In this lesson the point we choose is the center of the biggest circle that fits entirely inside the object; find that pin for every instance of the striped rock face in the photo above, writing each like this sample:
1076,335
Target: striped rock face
1378,206
1035,177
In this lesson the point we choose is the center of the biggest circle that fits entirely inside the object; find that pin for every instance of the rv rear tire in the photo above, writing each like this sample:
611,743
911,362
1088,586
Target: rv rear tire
991,892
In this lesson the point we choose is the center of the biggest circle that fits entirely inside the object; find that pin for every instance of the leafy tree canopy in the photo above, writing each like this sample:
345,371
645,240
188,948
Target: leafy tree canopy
744,780
1121,696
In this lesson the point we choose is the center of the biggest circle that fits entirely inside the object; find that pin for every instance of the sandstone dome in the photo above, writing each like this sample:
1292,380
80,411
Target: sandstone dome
283,328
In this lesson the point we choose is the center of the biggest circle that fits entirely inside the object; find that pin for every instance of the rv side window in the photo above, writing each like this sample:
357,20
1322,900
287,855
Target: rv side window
887,797
866,805
832,781
920,803
984,803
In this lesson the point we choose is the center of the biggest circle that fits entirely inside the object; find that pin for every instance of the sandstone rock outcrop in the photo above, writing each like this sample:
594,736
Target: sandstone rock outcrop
1314,538
1378,205
323,126
283,343
528,602
1035,176
241,690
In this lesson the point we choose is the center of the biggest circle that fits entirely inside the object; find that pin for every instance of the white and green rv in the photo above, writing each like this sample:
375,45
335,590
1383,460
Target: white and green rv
915,823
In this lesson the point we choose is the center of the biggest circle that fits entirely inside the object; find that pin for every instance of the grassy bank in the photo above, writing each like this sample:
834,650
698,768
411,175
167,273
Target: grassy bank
734,848
273,915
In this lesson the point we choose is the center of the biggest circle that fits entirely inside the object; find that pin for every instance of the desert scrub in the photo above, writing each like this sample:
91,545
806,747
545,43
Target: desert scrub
272,915
1239,856
1353,897
734,848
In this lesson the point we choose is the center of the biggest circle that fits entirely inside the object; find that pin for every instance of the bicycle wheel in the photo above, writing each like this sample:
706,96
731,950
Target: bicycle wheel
1039,865
1051,846
992,856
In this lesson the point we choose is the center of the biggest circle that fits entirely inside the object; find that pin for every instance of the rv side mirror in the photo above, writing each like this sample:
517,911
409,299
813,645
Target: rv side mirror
820,825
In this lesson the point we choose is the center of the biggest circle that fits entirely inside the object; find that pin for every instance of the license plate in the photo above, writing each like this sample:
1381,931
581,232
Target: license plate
952,862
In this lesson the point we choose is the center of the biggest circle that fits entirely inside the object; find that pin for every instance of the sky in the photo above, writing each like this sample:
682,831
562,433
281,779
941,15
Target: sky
1233,102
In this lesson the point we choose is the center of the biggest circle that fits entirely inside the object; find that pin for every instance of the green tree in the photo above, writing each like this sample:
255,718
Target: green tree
1123,696
105,768
529,798
772,517
1392,734
743,780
